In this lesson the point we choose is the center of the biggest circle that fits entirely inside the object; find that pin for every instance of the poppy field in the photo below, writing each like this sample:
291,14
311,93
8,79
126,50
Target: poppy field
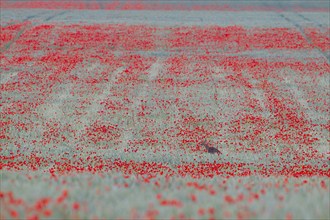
107,120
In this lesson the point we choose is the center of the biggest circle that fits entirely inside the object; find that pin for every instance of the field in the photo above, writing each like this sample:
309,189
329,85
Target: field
105,104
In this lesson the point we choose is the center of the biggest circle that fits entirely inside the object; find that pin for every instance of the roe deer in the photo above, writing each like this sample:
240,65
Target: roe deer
209,149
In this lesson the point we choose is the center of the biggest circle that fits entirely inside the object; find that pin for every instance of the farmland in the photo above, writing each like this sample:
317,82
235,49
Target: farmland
104,106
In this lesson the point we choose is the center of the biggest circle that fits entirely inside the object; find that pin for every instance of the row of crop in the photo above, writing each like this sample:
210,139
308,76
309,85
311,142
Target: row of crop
122,5
146,38
149,170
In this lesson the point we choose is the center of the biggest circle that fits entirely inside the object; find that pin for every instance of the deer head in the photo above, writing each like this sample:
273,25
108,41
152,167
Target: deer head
205,144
